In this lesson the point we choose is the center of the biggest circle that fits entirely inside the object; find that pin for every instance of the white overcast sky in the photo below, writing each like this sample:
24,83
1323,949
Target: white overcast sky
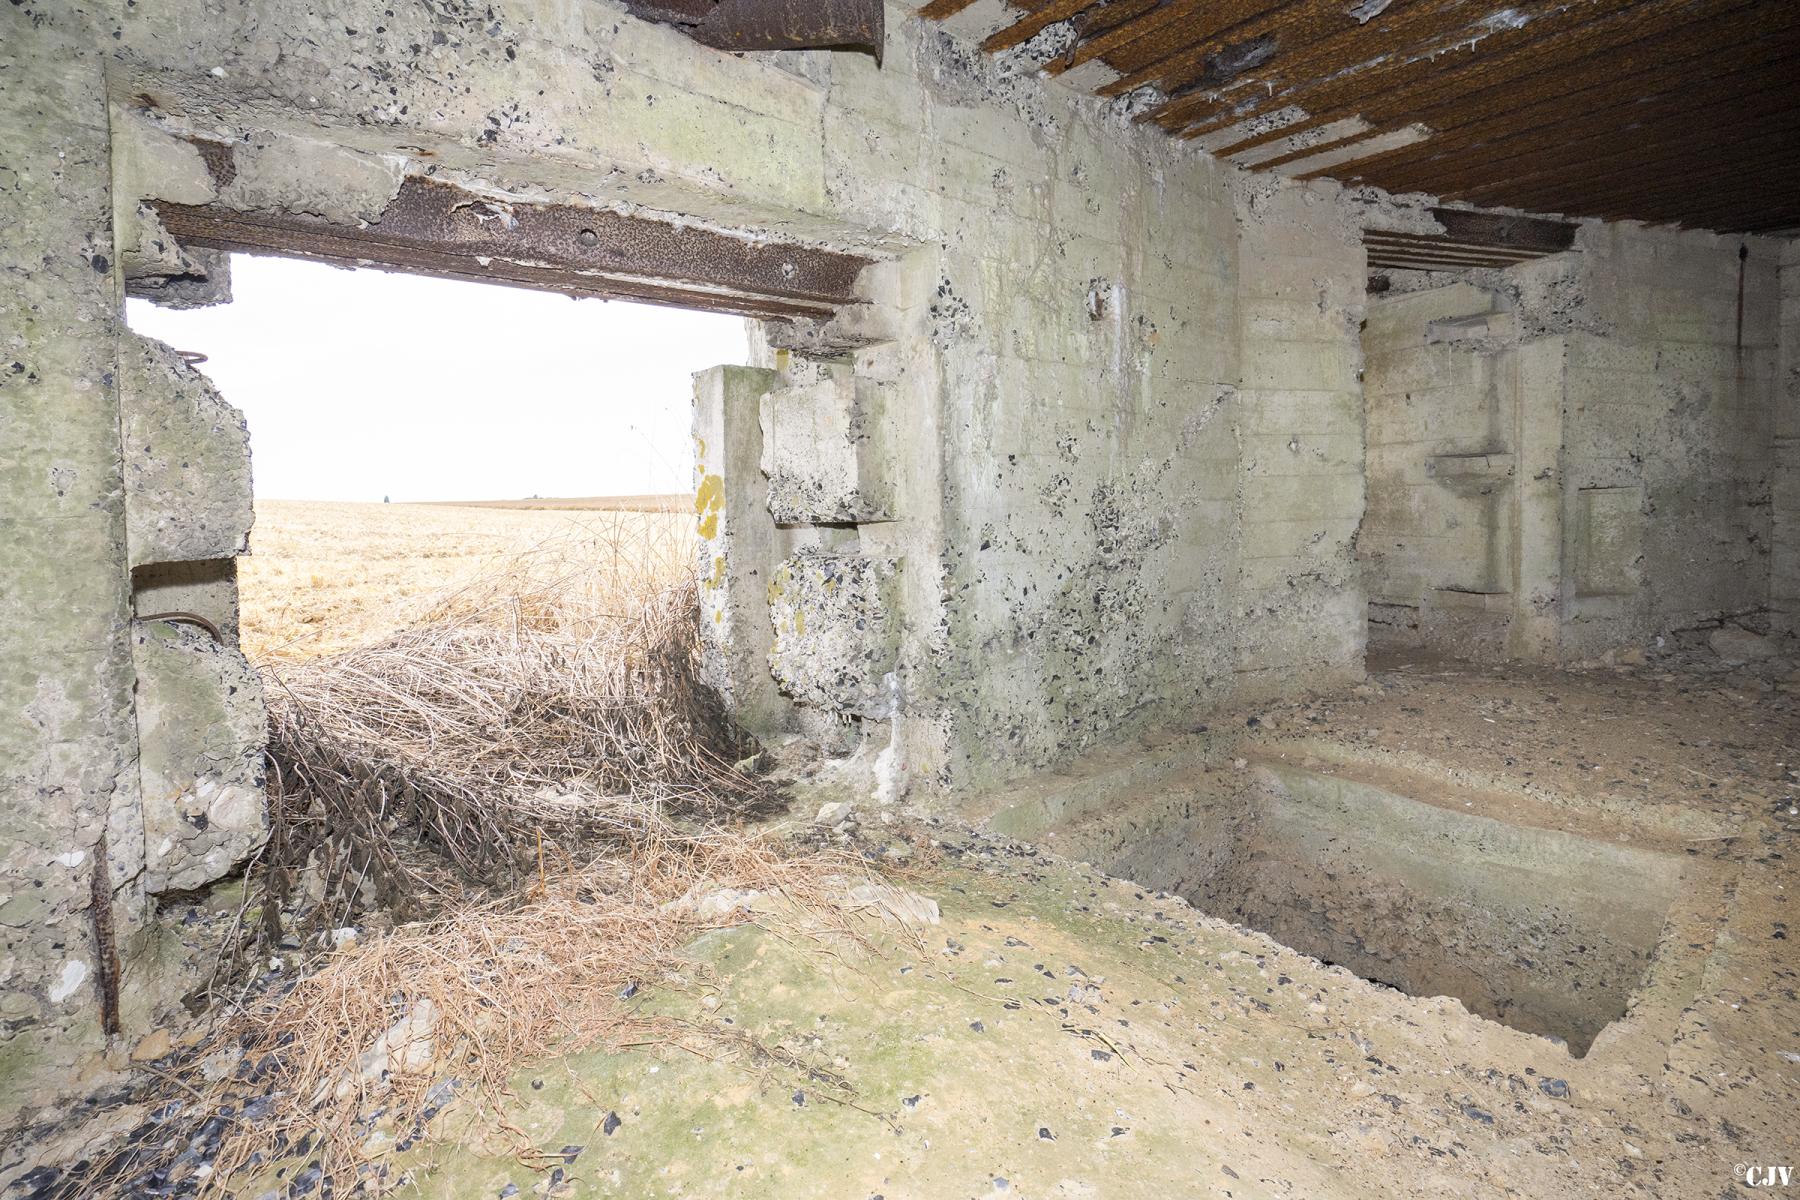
364,384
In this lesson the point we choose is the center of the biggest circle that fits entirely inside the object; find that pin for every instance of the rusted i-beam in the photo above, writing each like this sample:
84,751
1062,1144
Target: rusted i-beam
434,228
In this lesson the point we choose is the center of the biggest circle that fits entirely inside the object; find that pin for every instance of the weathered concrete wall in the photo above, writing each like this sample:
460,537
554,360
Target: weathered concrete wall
1058,339
71,837
1297,610
1462,544
1784,589
187,461
1085,323
1578,453
201,726
1669,434
1430,401
119,469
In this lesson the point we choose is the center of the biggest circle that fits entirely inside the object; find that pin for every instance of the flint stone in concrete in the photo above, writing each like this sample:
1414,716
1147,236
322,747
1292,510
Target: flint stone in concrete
836,636
201,728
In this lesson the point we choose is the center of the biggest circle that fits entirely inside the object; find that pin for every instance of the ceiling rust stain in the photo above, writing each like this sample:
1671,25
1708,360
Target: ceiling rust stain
1679,111
772,24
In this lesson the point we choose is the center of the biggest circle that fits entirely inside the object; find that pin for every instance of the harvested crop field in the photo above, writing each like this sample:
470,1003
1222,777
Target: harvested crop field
656,503
324,576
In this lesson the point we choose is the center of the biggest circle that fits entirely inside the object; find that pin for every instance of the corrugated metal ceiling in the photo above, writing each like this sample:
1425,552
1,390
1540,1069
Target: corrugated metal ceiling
1683,111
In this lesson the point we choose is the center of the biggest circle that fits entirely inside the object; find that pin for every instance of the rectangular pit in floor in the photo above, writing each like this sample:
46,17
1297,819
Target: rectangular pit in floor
1546,931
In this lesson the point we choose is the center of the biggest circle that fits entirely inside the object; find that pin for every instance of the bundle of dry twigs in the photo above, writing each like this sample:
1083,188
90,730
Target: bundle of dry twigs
556,701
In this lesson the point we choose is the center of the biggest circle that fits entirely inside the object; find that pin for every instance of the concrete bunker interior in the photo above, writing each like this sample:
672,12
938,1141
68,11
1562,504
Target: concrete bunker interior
1230,506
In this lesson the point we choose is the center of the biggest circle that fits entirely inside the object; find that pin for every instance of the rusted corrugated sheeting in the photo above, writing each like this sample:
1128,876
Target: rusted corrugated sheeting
1681,111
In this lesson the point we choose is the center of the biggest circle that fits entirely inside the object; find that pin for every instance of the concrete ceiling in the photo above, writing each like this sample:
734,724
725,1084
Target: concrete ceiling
1684,111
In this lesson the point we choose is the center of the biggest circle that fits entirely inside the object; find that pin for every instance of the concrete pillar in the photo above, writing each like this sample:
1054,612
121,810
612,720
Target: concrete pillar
71,842
1537,369
1784,589
737,544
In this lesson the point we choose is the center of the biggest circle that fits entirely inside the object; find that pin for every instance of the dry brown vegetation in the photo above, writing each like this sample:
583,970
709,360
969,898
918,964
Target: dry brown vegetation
513,746
324,576
365,1050
555,699
672,502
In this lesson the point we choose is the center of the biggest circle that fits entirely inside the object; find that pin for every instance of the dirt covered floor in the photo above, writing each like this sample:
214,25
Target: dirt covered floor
1061,1033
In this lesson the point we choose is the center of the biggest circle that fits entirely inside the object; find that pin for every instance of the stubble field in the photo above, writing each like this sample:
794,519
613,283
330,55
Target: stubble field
324,576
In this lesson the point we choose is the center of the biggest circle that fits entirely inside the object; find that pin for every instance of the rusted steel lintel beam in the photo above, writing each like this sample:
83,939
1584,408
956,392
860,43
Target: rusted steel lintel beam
741,25
1501,229
1428,250
1450,249
348,252
1400,260
1416,259
1454,243
439,229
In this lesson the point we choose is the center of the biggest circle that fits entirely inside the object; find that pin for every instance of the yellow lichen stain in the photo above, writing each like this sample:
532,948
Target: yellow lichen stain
709,500
718,572
799,622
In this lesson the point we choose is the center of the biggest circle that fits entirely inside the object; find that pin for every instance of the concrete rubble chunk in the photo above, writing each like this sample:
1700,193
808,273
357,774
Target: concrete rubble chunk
893,903
202,728
1739,646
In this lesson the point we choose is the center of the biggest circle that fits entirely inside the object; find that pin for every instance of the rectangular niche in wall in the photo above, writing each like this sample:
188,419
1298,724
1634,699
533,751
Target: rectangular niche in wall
1608,537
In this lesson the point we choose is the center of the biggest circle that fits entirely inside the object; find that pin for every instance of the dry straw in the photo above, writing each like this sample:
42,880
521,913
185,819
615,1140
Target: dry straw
363,1052
557,699
532,764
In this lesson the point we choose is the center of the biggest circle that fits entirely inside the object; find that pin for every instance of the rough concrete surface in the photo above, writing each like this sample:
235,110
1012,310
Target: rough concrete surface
1060,1032
202,725
1113,440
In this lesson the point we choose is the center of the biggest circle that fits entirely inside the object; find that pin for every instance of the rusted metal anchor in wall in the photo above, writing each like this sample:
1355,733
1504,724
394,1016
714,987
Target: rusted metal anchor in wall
772,24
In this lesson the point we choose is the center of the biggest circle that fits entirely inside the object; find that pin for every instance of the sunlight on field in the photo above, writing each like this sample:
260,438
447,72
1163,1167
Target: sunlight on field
325,576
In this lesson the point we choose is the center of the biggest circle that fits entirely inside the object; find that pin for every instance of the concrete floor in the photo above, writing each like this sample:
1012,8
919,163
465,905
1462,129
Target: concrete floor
1065,1033
1062,1032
